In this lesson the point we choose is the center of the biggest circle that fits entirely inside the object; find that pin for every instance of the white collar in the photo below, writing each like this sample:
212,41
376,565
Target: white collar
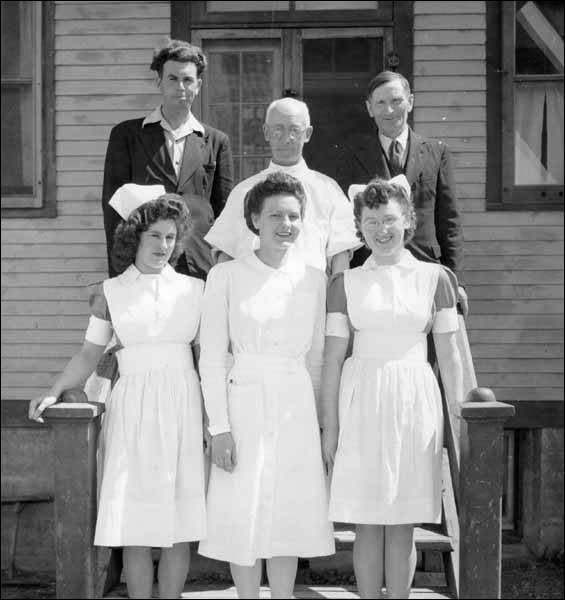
190,125
386,141
406,261
132,274
293,265
298,170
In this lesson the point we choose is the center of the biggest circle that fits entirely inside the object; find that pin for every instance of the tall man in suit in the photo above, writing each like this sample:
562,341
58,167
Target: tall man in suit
171,147
394,148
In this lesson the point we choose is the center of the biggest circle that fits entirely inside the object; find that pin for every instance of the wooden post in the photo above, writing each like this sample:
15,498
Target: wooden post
480,490
75,435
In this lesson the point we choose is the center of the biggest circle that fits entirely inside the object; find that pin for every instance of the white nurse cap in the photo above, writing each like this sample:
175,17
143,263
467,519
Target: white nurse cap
400,180
131,196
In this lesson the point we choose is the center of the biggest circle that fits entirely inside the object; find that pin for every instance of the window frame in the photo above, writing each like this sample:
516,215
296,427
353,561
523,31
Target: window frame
199,16
502,193
45,128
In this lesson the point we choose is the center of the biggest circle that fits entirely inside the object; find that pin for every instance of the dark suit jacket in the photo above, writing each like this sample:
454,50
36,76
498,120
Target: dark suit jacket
139,155
438,235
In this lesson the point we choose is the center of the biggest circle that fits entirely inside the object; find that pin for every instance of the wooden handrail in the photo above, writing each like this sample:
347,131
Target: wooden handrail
79,565
473,440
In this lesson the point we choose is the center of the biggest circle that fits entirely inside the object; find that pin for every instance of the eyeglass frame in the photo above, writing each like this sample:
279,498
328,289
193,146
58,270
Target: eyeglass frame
278,132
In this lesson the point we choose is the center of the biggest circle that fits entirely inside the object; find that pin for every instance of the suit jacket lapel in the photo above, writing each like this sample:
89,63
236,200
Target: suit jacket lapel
153,140
372,160
193,157
414,161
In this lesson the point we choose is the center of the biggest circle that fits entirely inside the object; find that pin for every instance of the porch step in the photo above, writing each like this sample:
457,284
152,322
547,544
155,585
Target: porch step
205,591
426,537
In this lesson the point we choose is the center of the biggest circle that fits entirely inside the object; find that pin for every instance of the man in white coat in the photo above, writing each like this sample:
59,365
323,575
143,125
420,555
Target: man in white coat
328,237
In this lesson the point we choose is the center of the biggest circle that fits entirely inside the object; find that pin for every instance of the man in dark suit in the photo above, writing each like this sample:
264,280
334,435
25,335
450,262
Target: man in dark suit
171,147
394,148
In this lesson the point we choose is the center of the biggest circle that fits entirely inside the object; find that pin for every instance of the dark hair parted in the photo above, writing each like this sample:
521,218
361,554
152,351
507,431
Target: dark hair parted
379,192
180,51
168,207
386,77
275,184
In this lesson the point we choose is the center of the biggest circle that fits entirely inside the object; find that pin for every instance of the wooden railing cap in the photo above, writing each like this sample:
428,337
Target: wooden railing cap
481,405
79,411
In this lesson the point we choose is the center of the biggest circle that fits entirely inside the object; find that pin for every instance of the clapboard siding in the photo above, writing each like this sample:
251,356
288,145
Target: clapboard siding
107,73
99,117
513,260
102,76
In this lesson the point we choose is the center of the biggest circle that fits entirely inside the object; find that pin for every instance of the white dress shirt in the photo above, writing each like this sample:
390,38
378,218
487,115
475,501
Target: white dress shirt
402,139
175,138
328,225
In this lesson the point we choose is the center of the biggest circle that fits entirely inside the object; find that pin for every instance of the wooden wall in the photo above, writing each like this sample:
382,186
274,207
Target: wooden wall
513,260
102,57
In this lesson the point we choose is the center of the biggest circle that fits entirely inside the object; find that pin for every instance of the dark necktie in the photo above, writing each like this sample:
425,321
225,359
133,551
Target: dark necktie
395,158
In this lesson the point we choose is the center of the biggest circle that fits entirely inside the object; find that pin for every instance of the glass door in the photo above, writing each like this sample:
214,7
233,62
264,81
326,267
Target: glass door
336,66
244,76
329,68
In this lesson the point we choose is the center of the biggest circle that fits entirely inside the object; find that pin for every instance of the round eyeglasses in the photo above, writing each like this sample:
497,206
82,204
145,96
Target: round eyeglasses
278,133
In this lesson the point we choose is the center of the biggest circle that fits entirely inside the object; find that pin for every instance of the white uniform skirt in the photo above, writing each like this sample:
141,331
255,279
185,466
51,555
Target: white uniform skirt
388,462
275,502
152,491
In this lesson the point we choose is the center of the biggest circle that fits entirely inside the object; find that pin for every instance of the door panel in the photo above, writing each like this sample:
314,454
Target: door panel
337,65
243,77
329,68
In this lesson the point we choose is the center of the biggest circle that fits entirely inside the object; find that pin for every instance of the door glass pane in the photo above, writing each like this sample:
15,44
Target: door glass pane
350,5
243,78
336,72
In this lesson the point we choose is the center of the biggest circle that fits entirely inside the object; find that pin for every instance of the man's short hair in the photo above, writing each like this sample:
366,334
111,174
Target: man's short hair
287,100
180,51
387,77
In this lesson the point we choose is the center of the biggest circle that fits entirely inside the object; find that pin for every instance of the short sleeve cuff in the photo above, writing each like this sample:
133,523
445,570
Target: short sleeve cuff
337,325
446,321
217,429
99,331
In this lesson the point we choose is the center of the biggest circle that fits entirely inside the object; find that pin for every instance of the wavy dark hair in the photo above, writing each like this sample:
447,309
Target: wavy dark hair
379,192
276,183
180,51
168,207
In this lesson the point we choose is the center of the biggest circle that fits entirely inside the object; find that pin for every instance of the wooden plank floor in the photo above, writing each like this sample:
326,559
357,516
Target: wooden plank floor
220,591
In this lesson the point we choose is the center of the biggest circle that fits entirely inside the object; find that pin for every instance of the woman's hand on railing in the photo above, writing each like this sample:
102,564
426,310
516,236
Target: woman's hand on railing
38,405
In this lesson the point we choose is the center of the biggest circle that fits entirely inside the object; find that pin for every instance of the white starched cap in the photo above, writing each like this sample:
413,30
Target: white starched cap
400,180
131,196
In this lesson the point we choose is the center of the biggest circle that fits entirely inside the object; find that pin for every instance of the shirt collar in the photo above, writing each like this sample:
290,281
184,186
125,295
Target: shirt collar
298,170
192,124
402,138
407,261
294,264
133,274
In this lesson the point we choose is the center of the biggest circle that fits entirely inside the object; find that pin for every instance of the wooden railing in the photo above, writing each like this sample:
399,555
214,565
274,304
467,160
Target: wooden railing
473,469
80,567
474,444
